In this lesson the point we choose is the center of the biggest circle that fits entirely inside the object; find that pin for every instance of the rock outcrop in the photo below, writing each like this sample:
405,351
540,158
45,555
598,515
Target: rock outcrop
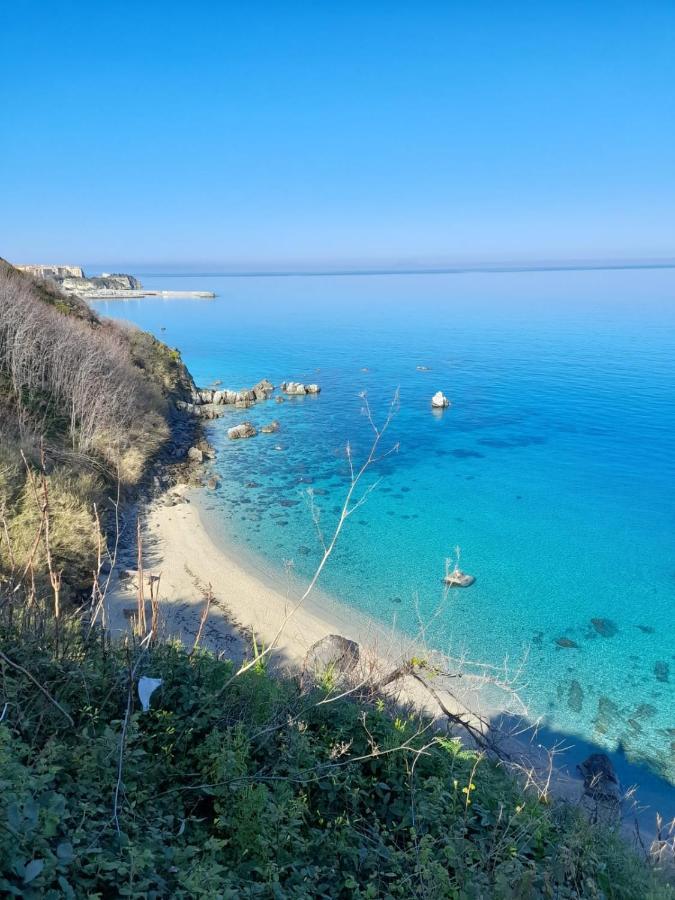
271,428
602,791
334,655
207,450
297,388
201,411
262,389
457,578
205,402
101,283
244,430
439,401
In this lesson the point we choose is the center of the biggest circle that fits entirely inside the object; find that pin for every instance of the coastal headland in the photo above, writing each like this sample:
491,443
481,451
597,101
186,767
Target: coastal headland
107,286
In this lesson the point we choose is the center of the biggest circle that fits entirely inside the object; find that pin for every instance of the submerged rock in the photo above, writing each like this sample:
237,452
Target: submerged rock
662,671
439,400
604,627
575,696
245,430
271,428
644,711
567,643
607,714
646,629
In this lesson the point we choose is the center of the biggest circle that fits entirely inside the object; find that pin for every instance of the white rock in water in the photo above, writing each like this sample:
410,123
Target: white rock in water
439,401
456,578
313,389
293,387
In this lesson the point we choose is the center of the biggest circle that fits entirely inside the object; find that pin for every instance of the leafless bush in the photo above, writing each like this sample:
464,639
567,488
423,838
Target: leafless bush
56,365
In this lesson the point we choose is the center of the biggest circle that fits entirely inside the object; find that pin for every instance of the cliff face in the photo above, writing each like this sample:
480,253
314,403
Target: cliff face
72,279
110,282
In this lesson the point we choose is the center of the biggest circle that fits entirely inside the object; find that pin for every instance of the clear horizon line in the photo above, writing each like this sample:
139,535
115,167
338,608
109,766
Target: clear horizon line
450,269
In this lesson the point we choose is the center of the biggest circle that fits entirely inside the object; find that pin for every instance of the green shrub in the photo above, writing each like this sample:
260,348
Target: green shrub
249,788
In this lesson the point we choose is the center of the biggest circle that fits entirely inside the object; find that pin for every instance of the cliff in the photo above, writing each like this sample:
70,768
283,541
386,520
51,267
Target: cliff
72,279
106,282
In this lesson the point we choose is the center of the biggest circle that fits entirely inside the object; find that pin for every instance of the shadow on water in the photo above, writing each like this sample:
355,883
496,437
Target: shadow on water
646,793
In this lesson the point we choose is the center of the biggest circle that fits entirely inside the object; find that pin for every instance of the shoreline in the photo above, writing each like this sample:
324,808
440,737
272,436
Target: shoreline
179,547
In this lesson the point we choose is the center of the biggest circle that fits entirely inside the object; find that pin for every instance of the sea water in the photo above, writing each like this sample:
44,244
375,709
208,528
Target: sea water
553,469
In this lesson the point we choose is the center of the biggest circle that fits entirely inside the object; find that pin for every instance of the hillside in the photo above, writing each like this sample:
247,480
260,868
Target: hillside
224,784
86,407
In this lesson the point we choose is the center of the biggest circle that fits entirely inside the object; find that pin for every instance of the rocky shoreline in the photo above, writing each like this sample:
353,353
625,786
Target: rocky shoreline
207,403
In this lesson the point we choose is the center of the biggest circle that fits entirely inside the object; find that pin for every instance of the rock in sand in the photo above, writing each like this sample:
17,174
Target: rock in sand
333,653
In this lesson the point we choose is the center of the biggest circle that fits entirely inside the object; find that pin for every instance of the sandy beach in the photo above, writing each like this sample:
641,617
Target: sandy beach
179,549
247,602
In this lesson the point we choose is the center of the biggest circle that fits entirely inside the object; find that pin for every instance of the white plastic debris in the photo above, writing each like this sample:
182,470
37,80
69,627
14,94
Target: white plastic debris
146,688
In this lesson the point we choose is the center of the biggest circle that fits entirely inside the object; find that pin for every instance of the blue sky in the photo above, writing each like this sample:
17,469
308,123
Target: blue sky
354,132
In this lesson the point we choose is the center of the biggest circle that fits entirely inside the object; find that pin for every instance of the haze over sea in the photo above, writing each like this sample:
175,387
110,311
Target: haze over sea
553,470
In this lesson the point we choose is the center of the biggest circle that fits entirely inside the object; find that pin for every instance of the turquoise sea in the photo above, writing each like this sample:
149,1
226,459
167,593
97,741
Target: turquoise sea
553,470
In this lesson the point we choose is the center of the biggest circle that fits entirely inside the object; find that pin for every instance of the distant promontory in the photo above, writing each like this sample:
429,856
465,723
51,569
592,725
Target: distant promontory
107,285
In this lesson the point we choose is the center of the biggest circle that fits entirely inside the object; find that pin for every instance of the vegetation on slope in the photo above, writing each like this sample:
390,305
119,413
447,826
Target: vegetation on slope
247,787
83,409
229,785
